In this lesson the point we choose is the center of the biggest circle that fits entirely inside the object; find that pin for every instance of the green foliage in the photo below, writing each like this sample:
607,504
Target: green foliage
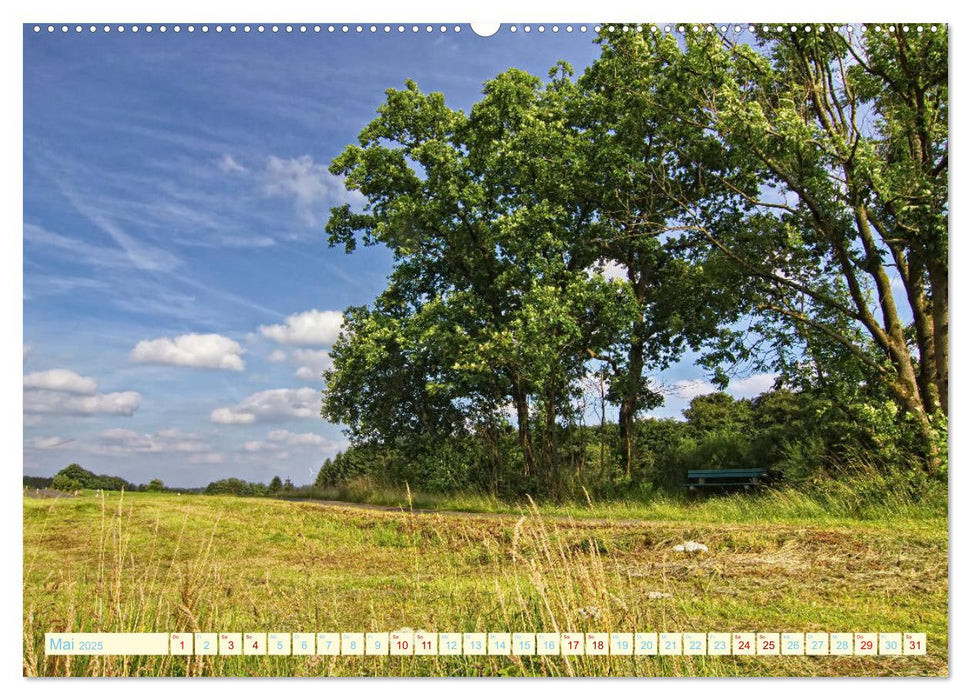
799,437
718,412
74,477
345,467
236,487
822,211
746,213
66,483
155,485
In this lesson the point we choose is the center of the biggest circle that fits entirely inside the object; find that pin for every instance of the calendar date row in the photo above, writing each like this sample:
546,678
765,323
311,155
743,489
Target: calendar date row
421,643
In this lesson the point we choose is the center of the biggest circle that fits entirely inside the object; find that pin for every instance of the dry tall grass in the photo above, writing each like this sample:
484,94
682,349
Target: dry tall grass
146,563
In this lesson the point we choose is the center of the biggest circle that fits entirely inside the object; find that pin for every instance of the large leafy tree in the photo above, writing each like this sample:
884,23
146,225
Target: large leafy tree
833,193
490,303
640,184
762,200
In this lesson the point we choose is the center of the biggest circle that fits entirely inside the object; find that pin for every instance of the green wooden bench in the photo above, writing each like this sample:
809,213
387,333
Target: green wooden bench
725,478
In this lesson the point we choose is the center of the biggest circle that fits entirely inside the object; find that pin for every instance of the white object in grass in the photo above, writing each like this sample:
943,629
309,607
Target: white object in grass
690,547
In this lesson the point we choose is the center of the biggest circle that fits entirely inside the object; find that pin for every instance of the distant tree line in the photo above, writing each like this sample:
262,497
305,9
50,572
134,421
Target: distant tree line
75,478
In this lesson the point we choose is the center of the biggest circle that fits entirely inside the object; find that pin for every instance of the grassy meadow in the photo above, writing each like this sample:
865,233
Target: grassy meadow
780,562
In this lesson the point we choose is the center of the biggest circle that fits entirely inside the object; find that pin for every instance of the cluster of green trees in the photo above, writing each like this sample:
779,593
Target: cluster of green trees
799,437
762,202
74,478
241,487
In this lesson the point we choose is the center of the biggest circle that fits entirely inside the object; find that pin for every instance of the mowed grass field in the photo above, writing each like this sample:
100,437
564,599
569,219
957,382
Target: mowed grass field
163,562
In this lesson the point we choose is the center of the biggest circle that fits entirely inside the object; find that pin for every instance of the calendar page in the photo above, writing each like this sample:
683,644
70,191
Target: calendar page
557,349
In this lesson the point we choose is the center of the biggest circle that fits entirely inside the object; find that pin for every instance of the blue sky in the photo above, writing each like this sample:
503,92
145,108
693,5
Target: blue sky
179,294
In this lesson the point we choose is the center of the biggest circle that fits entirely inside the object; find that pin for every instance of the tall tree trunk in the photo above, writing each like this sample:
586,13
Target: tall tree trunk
630,401
603,428
912,273
552,456
522,420
939,311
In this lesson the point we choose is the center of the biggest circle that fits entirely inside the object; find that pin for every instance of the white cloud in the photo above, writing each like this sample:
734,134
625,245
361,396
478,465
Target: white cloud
123,403
299,439
228,416
307,328
306,374
312,363
752,386
279,440
310,185
271,405
209,350
228,164
61,380
206,458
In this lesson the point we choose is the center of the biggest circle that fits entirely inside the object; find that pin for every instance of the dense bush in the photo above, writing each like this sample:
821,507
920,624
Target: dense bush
801,438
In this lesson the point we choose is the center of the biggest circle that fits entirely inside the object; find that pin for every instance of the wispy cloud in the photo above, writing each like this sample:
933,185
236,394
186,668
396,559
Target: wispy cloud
740,387
77,250
229,165
690,388
227,296
121,441
52,442
309,185
143,255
